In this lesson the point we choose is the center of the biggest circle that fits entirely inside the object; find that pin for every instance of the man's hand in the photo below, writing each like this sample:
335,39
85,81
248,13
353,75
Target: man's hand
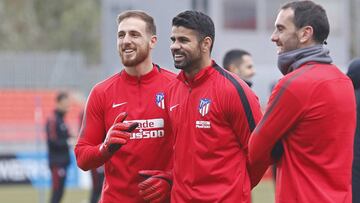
117,135
157,186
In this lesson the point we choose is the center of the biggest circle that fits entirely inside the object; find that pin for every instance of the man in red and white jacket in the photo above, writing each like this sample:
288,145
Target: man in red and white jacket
212,114
136,147
311,113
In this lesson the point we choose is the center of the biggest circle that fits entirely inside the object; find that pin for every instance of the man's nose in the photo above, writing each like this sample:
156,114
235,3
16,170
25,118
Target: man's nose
174,46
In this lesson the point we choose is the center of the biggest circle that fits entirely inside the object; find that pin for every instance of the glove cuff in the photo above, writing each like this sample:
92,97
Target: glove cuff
104,152
167,180
165,176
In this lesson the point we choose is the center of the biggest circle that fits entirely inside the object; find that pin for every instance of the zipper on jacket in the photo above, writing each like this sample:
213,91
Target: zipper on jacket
188,98
139,90
187,84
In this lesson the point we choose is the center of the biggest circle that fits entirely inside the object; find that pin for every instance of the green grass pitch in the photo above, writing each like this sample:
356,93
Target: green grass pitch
263,193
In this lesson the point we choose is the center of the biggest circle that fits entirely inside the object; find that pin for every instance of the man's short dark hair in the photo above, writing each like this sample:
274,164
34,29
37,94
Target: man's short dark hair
307,13
150,24
61,96
198,21
233,55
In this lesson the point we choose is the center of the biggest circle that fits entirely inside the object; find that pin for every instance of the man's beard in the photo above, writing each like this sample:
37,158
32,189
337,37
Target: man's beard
183,65
140,56
188,62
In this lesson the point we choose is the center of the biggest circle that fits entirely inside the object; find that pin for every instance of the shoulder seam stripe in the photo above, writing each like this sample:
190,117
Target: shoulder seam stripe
158,67
281,92
242,95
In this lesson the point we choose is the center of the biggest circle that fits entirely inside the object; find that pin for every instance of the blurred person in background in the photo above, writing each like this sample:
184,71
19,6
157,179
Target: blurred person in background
311,112
136,152
354,74
58,148
241,63
97,177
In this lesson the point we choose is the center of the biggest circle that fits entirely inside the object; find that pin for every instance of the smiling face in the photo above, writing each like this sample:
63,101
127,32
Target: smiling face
134,42
185,48
285,35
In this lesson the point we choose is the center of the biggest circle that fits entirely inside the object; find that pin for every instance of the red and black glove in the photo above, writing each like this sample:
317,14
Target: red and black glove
157,186
117,135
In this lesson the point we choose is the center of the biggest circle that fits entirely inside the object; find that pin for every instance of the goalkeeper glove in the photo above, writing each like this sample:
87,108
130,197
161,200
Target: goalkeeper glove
156,188
117,135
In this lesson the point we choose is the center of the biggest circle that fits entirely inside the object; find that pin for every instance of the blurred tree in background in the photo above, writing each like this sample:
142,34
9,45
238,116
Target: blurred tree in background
51,25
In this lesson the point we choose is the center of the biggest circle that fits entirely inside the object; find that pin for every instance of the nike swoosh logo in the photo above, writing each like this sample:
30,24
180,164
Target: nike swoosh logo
171,108
117,105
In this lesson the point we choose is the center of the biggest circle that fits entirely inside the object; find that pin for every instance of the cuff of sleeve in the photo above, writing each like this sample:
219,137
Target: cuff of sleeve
104,153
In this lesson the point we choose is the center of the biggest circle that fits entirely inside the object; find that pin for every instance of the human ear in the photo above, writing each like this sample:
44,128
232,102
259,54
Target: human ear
153,41
306,34
206,44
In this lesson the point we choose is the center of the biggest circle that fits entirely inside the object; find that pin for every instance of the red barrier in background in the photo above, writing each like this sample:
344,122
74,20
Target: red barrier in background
18,109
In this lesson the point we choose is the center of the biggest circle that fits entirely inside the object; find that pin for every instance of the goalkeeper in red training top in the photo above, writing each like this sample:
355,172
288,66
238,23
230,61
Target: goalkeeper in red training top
136,147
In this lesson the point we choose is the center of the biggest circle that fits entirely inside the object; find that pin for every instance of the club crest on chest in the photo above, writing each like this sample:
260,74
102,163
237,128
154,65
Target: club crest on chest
204,106
159,99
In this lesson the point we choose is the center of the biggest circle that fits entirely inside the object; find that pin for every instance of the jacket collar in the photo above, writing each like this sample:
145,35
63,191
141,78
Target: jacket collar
143,78
200,77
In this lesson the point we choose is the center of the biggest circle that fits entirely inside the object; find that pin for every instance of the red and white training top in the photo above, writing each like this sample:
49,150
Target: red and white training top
212,117
150,146
312,111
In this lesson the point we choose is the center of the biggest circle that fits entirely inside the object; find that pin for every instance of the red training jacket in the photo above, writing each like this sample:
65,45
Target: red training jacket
150,146
312,111
212,117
